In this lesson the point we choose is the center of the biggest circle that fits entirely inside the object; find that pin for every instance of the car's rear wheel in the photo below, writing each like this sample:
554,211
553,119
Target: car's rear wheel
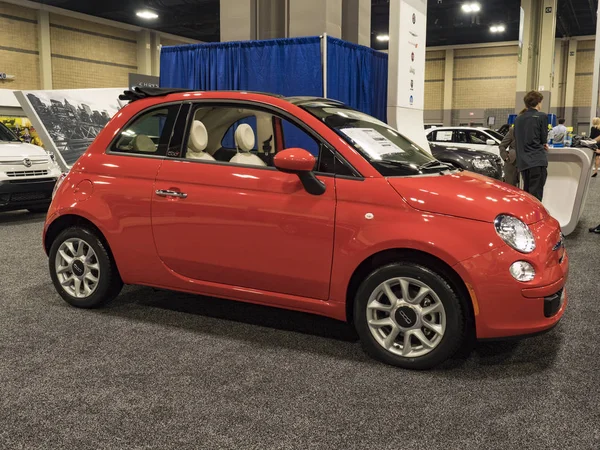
407,315
82,269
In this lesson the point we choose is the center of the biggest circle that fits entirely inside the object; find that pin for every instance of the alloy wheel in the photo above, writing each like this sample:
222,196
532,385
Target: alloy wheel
77,268
406,317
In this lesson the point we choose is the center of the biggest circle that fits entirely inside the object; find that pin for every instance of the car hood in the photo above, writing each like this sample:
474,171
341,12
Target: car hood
20,150
468,195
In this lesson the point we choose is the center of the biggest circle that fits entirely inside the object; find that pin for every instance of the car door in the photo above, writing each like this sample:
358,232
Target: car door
245,225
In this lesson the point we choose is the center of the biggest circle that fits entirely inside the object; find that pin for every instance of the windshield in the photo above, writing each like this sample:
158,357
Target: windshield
495,134
7,135
387,150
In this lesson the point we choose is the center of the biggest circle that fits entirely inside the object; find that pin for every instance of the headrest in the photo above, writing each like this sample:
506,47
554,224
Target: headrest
198,137
244,137
142,143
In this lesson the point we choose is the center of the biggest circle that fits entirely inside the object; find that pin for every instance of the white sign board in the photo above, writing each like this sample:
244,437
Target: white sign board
406,77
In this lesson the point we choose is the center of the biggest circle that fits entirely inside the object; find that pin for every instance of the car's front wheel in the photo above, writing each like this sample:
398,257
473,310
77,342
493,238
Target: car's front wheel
407,315
82,268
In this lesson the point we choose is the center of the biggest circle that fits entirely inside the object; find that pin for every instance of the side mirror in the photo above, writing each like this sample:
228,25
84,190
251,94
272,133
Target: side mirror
302,163
491,142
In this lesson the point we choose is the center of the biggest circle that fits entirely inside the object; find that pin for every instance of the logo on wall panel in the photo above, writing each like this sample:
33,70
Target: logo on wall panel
411,100
412,56
412,84
414,44
412,70
413,34
414,18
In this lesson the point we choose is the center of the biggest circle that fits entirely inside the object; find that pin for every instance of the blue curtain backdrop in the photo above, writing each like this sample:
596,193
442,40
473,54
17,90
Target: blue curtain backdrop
280,66
357,75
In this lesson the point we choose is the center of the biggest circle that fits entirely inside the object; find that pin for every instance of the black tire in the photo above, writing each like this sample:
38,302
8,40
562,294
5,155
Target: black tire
455,331
109,281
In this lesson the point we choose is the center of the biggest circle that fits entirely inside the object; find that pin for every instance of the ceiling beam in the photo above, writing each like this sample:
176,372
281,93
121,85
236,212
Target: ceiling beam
574,14
592,11
565,29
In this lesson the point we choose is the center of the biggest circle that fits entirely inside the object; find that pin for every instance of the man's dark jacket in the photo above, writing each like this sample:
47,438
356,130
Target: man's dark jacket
531,134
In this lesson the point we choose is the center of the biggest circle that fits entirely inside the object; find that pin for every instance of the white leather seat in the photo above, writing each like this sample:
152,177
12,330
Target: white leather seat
244,141
198,142
142,143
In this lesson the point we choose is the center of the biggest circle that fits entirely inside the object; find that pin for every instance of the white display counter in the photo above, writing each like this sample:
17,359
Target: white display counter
565,194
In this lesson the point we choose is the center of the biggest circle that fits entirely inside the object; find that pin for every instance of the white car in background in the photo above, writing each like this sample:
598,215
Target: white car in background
483,139
27,174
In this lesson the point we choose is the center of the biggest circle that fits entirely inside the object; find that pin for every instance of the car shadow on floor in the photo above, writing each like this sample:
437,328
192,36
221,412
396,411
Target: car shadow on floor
236,320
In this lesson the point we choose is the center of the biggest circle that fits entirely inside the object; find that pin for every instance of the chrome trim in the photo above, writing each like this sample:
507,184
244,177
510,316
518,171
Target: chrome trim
168,193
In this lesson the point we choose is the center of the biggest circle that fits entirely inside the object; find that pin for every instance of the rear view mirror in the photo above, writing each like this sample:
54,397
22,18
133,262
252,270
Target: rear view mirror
302,163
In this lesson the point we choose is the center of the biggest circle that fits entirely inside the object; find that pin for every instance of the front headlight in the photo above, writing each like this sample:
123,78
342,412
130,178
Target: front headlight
482,164
515,233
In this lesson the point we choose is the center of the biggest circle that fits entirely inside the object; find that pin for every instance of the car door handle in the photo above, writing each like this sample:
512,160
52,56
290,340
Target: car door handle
168,193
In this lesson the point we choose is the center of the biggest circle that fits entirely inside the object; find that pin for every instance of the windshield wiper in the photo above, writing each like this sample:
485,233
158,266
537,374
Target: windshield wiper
433,163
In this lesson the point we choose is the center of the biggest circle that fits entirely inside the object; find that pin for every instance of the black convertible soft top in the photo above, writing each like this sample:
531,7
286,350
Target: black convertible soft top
139,93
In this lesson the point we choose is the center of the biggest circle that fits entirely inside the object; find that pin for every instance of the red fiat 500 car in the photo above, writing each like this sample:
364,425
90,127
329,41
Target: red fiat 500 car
306,204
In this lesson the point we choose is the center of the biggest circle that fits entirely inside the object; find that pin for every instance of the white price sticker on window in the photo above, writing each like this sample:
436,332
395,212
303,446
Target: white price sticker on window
372,141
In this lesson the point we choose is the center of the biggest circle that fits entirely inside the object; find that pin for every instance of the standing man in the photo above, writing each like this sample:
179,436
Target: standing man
531,134
559,132
508,153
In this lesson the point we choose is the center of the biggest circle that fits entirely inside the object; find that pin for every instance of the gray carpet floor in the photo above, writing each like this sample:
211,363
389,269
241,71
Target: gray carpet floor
164,370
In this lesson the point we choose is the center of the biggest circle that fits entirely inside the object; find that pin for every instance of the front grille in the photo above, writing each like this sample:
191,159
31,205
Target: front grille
27,173
28,181
29,196
553,303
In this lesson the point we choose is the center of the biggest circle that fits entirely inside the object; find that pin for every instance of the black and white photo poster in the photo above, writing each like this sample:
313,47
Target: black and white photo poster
68,121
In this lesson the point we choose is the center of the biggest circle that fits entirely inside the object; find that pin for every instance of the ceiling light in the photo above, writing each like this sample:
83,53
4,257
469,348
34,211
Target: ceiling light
383,37
494,29
501,29
148,15
471,7
497,28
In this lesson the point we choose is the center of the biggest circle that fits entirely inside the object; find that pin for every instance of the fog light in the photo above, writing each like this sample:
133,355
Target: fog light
522,271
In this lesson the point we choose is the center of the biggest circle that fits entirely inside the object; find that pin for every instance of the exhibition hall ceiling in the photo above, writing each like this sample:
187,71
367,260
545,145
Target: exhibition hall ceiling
447,22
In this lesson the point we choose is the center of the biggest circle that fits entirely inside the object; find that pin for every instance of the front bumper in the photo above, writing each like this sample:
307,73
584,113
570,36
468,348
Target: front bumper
26,193
505,307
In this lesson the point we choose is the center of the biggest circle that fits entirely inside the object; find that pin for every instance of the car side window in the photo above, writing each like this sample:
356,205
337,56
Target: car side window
477,137
460,137
149,133
443,135
244,136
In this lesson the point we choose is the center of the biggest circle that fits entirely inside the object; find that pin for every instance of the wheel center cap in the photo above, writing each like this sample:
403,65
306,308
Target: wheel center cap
78,268
405,316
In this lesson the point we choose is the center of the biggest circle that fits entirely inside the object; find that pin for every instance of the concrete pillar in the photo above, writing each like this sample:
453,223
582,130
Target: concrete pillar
238,20
570,82
547,39
314,17
528,46
155,53
271,16
144,52
448,87
44,49
356,21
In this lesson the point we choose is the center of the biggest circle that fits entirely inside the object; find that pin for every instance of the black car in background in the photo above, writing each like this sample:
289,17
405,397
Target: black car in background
476,161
